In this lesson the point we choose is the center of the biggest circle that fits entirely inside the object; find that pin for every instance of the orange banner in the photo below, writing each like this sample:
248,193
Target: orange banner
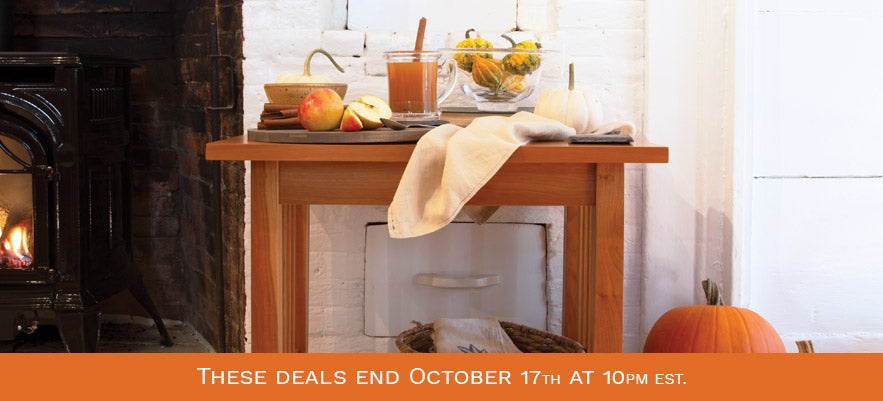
438,376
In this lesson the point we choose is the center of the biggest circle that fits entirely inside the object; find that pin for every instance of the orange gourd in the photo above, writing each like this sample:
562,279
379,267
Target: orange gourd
488,72
712,328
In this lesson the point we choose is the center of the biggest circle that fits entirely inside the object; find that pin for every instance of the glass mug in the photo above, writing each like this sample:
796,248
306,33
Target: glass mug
413,83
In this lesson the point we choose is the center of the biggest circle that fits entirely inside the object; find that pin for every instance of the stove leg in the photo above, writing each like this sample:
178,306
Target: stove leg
143,297
79,330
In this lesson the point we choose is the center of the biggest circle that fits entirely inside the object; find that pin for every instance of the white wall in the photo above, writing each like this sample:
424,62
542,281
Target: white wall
688,214
605,38
816,179
771,111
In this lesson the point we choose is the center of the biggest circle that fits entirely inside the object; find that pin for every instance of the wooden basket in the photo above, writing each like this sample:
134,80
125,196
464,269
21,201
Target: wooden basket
527,339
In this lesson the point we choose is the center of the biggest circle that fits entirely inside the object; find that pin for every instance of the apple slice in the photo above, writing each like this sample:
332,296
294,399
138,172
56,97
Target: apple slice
367,114
350,121
378,105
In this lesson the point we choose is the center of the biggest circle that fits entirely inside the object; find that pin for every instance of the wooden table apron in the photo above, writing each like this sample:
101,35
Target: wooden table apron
587,179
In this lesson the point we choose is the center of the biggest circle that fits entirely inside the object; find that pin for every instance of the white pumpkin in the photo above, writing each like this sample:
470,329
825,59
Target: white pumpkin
307,77
577,109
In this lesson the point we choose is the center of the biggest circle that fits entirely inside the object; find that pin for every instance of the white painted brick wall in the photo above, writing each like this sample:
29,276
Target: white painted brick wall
344,43
536,15
605,38
448,15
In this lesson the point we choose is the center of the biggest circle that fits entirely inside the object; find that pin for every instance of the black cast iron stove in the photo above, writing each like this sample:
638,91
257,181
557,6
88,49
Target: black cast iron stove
65,238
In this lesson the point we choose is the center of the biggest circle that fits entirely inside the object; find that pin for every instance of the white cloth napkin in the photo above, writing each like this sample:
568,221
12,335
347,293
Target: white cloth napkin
615,128
471,336
450,164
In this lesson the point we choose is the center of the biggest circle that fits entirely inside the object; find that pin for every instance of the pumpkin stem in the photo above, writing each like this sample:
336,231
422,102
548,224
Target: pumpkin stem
570,84
805,347
468,31
310,57
712,292
512,41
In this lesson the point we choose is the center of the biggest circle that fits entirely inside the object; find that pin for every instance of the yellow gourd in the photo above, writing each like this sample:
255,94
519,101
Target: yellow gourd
577,109
522,63
465,60
307,77
512,82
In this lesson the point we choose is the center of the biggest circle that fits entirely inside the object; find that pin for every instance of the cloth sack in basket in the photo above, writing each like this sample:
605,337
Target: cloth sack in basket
471,336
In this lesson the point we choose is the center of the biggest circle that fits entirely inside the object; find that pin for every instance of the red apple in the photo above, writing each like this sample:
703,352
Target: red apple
321,110
350,121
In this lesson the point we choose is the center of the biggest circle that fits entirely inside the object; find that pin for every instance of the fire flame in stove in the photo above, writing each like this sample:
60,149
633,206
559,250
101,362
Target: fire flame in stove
15,247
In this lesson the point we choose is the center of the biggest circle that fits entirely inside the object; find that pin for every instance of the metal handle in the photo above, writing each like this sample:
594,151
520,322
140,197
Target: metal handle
440,281
231,84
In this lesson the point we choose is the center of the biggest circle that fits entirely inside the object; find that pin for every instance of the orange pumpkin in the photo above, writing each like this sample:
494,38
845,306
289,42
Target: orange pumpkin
712,328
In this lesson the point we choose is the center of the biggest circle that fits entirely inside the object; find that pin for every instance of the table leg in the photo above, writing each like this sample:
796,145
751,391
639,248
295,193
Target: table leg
295,277
266,255
593,267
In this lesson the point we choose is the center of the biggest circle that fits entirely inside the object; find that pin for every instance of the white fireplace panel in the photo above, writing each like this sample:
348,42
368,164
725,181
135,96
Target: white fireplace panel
463,270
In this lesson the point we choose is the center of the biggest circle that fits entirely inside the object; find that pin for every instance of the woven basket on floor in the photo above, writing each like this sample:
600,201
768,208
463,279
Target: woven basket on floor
527,339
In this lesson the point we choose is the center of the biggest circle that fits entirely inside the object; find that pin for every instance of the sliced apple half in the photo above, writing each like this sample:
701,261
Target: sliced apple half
367,114
378,105
350,121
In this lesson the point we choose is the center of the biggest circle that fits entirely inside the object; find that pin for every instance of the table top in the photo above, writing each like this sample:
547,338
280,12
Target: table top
240,148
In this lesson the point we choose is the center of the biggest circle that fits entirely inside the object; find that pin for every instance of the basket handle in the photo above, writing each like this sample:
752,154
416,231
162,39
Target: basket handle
442,281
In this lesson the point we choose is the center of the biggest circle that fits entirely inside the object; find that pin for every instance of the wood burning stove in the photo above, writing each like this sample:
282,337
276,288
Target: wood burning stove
65,238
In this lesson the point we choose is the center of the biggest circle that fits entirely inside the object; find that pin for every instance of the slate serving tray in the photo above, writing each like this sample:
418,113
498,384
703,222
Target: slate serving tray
380,135
601,139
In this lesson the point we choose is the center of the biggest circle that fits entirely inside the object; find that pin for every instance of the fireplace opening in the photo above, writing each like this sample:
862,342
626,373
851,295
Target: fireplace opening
16,206
185,67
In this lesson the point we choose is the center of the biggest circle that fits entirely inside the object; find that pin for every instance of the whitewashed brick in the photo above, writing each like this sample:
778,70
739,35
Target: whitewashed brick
346,320
632,343
256,71
258,15
283,43
336,18
252,114
302,14
627,44
554,40
344,43
539,15
623,102
589,74
375,66
376,86
449,16
603,14
435,40
585,43
377,42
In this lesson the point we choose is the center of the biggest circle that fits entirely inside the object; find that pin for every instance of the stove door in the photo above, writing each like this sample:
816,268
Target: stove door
25,275
16,205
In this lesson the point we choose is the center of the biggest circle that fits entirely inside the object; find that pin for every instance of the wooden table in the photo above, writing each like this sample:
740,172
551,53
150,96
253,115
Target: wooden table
286,178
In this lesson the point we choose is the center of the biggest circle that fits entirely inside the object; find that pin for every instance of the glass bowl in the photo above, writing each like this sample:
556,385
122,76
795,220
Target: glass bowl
496,79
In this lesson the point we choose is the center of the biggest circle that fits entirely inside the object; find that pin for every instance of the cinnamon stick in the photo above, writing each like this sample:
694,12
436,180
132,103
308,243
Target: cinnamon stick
421,30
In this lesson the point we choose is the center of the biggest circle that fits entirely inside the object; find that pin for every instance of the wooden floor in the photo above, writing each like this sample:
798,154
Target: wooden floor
116,337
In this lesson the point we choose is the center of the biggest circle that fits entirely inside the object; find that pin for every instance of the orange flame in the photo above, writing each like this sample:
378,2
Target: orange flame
15,247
